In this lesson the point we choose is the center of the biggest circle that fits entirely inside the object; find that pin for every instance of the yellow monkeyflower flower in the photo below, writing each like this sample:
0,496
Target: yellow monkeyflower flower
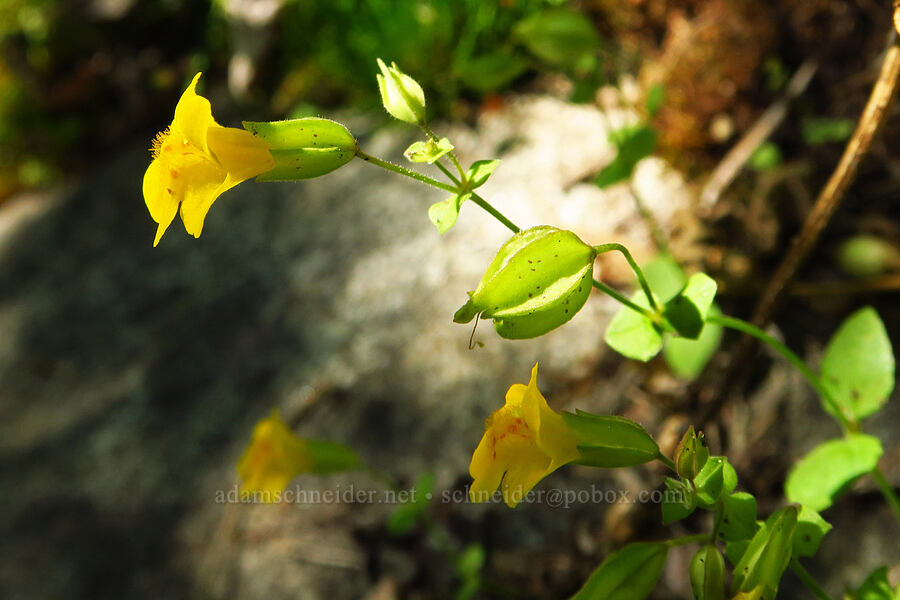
274,457
195,160
524,441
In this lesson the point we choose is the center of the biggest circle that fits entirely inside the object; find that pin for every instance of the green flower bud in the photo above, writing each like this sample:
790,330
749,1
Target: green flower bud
539,279
707,573
401,96
691,453
304,148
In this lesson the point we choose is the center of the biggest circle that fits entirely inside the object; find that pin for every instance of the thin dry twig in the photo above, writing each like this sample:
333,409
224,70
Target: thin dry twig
872,119
731,165
870,123
885,283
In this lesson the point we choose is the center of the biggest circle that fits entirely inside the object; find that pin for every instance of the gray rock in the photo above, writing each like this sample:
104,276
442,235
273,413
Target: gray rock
131,377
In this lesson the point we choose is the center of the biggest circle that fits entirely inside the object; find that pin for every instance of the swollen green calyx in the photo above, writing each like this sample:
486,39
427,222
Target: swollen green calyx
539,279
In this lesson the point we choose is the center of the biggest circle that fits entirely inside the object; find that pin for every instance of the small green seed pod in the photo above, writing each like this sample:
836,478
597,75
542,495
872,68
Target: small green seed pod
539,279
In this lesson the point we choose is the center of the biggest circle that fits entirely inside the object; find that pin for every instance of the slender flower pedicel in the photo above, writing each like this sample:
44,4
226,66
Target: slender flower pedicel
195,160
524,441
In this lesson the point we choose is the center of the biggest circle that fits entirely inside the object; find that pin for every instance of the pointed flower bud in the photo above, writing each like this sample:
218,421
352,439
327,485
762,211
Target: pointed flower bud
691,454
539,279
401,96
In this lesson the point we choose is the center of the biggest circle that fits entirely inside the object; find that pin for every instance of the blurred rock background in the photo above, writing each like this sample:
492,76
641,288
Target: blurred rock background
131,377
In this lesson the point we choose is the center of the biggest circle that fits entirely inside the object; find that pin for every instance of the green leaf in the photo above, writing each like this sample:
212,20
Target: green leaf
304,148
608,441
729,478
468,568
776,73
700,290
655,98
738,517
767,555
707,573
867,256
428,151
479,172
490,72
708,482
687,311
687,358
811,528
765,158
445,213
664,275
331,457
734,551
558,36
876,587
818,131
678,501
628,574
858,367
633,144
820,476
632,334
407,514
470,561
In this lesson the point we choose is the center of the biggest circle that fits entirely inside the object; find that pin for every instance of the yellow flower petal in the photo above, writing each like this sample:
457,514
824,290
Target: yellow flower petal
193,116
195,160
241,153
553,436
524,441
159,197
207,181
273,458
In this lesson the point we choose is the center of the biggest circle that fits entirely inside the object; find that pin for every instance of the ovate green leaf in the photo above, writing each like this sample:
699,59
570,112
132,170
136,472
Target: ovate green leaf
628,574
811,528
632,334
858,367
820,476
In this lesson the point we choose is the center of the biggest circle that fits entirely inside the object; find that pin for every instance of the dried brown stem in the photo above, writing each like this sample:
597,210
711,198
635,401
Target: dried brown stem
870,123
872,119
727,170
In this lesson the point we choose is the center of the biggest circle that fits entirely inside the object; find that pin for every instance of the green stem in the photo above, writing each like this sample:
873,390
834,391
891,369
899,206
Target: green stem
655,230
804,576
688,539
720,516
889,494
494,212
484,204
634,267
451,155
447,172
666,461
623,300
404,171
812,378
